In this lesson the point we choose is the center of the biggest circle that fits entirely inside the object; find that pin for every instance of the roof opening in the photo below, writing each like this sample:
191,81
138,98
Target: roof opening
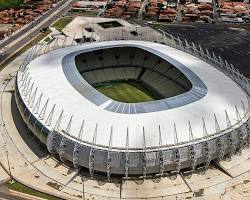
131,74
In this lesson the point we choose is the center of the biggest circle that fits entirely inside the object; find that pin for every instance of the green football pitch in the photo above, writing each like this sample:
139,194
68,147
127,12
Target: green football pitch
125,92
10,3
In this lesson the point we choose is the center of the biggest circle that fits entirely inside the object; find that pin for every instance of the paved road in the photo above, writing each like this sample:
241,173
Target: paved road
29,37
6,195
31,25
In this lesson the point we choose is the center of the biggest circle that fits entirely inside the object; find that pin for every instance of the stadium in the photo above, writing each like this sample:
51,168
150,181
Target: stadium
134,108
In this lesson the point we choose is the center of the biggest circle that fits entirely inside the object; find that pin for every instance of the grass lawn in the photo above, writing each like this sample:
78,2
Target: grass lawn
10,3
61,23
125,92
47,39
23,189
86,13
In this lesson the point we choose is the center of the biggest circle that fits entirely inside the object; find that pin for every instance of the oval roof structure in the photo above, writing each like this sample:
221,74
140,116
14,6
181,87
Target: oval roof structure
56,77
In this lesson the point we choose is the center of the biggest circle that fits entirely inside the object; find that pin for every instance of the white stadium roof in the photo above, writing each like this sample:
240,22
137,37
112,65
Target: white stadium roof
222,93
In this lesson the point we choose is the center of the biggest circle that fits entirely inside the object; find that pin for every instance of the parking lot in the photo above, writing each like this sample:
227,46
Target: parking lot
231,42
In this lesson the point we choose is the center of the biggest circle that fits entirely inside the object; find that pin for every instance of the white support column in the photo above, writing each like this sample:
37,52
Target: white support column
205,134
237,114
92,154
228,68
161,158
217,126
56,43
215,59
175,135
22,74
24,85
177,160
193,157
219,141
32,99
46,49
231,140
232,143
233,71
69,125
51,140
126,155
30,52
50,116
109,154
29,56
37,105
176,151
208,55
144,157
62,149
248,130
64,141
76,151
173,41
228,120
41,51
180,44
242,131
206,146
36,54
64,42
73,39
188,47
207,154
192,149
201,52
57,126
43,111
26,88
221,148
221,62
191,137
243,108
22,67
33,56
52,137
237,73
194,49
242,79
29,92
24,80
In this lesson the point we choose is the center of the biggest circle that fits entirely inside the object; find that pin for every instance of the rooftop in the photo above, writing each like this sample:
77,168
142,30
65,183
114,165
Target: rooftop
222,93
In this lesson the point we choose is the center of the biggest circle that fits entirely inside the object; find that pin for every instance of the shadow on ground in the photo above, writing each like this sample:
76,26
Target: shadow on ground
29,138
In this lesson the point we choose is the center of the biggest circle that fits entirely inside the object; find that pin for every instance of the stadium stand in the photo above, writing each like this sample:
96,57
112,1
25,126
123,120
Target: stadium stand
119,64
